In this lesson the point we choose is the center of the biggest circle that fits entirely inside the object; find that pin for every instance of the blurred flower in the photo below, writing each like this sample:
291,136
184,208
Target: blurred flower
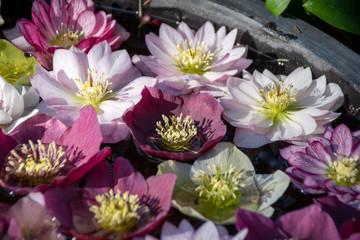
29,219
220,181
15,66
185,231
16,104
178,128
146,19
62,24
327,218
330,164
43,152
1,19
102,78
185,62
114,207
265,109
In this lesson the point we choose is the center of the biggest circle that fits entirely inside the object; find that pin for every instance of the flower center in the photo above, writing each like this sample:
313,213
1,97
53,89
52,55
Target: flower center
277,99
66,37
118,212
94,90
34,164
217,187
345,171
176,135
193,58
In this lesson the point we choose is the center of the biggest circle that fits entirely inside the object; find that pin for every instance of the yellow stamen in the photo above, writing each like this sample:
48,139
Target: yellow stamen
345,171
66,37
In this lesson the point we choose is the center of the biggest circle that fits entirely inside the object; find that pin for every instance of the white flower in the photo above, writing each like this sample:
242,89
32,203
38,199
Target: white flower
265,108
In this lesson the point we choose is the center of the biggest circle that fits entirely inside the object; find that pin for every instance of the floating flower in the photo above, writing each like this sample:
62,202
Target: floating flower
29,219
330,164
185,231
42,152
62,24
264,108
103,79
16,103
220,181
118,207
180,128
185,62
15,66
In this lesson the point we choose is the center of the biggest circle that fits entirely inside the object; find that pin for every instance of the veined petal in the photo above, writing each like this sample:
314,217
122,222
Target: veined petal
185,30
97,53
300,80
170,35
86,22
206,33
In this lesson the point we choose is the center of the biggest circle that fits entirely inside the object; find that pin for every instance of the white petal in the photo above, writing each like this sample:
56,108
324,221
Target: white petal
97,52
249,139
300,80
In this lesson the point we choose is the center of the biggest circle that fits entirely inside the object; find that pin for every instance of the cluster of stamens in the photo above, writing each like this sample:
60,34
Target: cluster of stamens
94,90
194,58
277,98
66,37
345,171
35,164
11,70
119,212
176,135
219,187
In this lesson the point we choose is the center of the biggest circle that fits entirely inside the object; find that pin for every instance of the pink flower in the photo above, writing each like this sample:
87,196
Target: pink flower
329,164
179,128
42,152
113,207
102,78
185,61
62,24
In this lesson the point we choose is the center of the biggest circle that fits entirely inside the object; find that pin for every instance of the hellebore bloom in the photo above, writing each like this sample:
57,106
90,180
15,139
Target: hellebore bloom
220,181
265,109
185,61
185,231
29,219
329,164
179,128
102,78
15,103
15,66
62,24
114,207
43,152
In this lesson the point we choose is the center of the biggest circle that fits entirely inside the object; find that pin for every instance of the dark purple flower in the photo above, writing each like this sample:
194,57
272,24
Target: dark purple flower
178,128
115,206
43,152
329,164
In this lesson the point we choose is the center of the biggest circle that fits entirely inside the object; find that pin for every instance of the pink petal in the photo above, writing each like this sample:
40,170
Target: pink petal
7,143
170,35
98,181
185,30
58,13
206,33
97,53
300,79
342,140
32,34
159,48
307,163
74,9
86,22
41,18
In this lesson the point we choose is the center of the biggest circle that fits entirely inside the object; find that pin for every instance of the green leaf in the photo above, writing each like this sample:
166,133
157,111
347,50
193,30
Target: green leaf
15,67
277,6
341,14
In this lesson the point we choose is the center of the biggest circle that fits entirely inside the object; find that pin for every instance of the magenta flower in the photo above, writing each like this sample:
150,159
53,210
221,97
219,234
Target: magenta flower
113,207
178,128
329,164
185,61
42,152
102,78
62,24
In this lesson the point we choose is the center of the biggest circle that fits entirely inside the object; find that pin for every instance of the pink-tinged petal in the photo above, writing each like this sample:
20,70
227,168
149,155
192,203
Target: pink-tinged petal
15,36
58,13
97,53
307,163
86,22
248,139
264,79
355,151
220,35
158,197
307,122
121,132
300,224
323,152
228,42
41,18
342,140
99,180
297,176
299,79
74,9
186,228
259,226
160,67
170,231
84,137
109,65
44,59
159,48
206,33
50,89
287,152
328,132
69,66
7,143
32,34
314,182
285,130
334,97
170,35
86,44
185,30
127,179
350,230
101,22
244,92
207,230
316,89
